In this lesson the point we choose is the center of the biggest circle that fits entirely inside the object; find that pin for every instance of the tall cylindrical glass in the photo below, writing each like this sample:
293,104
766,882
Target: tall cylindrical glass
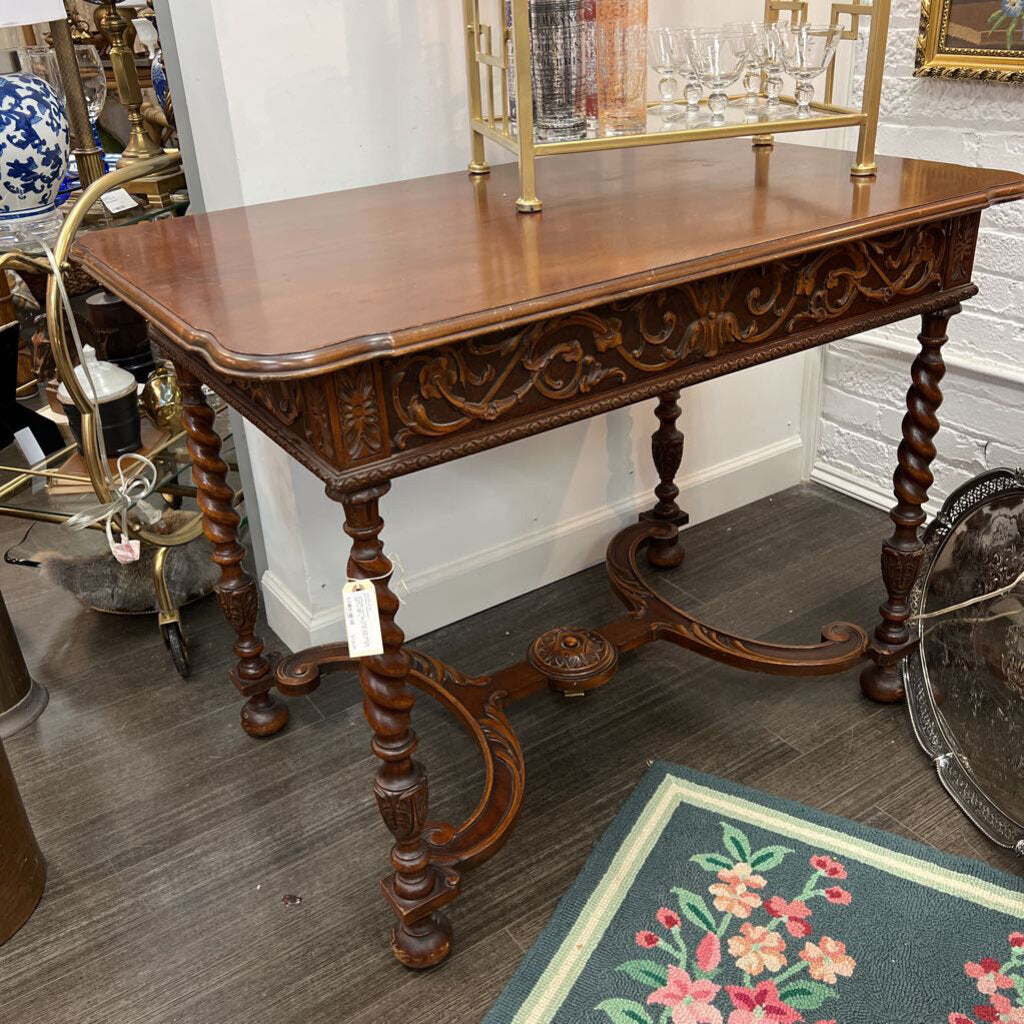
621,67
559,77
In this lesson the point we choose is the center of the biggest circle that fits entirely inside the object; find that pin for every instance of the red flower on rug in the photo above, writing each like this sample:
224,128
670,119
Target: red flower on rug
839,896
999,981
828,866
689,1000
988,975
794,914
756,1005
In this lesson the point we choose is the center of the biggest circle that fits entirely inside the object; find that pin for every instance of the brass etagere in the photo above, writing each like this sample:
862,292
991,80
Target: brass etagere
488,73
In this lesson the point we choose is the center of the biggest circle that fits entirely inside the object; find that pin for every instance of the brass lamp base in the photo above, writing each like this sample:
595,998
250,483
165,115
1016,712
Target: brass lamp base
158,188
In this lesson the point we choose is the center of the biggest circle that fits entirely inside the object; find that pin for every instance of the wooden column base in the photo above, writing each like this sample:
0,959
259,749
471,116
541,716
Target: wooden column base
571,661
22,868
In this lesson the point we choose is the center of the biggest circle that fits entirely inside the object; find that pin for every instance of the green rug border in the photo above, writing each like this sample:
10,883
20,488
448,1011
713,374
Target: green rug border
565,915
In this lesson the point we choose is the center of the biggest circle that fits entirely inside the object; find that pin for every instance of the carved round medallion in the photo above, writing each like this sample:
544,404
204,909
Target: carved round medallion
574,660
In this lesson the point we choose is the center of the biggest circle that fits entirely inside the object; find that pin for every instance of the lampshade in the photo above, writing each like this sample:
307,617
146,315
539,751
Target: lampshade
30,12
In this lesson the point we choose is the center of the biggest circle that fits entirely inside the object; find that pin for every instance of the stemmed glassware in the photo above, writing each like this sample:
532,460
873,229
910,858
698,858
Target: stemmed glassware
807,51
718,57
668,57
764,49
659,53
94,83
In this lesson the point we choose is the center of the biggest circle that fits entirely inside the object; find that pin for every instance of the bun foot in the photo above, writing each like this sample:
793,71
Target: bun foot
882,683
665,554
423,944
263,716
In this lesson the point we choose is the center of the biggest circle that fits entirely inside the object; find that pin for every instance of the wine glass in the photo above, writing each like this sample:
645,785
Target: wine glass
683,67
94,79
718,56
807,52
765,49
752,68
659,53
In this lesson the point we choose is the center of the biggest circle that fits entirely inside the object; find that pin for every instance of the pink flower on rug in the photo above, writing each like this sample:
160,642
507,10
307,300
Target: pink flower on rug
733,894
689,1000
1000,1011
836,894
828,866
648,940
959,1018
1017,940
756,1005
668,918
988,976
794,915
756,949
709,952
827,959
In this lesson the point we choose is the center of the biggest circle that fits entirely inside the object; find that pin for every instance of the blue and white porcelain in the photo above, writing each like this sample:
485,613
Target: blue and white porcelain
34,150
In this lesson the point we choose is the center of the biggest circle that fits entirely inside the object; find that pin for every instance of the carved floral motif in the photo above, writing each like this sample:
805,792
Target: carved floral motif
447,389
360,420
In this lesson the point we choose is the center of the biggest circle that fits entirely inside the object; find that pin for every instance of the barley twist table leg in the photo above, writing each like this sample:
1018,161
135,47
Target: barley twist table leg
423,936
667,451
236,591
903,552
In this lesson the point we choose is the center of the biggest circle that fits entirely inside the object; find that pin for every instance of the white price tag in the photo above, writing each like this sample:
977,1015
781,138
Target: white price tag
362,620
118,201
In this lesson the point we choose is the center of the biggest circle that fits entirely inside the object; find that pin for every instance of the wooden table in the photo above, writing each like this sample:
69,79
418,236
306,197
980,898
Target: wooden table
379,331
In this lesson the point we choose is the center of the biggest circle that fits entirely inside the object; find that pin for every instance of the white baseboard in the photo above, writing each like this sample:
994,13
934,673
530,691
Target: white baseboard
865,489
482,579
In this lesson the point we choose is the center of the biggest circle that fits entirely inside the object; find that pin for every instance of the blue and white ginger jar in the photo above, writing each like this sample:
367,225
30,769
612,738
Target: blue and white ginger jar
34,147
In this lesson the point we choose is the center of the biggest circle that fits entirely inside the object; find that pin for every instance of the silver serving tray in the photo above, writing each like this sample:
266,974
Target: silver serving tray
965,682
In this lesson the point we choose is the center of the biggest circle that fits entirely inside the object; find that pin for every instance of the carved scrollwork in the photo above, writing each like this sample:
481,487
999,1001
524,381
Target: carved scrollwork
452,388
299,405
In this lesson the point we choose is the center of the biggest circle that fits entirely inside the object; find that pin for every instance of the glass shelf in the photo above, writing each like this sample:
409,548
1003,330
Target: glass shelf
739,120
25,491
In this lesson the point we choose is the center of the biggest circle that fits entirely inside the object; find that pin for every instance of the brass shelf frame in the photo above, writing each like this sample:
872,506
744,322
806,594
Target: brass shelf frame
488,82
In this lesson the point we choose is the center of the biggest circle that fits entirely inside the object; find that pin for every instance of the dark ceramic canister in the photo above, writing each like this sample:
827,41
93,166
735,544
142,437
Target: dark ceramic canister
116,391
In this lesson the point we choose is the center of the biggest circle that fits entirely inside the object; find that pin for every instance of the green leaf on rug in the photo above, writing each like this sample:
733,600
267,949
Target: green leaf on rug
736,843
624,1011
713,862
695,910
647,972
769,857
805,994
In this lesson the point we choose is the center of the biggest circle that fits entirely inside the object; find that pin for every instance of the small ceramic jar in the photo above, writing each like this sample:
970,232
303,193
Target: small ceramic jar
34,150
117,395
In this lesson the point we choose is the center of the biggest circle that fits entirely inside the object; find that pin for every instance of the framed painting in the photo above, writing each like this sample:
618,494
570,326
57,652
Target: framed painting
979,40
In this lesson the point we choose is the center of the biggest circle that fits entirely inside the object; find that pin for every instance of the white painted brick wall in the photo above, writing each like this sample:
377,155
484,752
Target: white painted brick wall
865,380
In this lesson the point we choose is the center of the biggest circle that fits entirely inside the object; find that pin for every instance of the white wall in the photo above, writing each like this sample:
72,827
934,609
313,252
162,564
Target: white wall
342,94
865,380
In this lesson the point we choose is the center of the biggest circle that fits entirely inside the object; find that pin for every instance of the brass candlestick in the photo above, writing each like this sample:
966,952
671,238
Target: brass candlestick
157,188
88,158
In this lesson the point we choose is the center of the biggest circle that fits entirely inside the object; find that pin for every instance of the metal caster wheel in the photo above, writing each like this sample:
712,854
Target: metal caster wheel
175,642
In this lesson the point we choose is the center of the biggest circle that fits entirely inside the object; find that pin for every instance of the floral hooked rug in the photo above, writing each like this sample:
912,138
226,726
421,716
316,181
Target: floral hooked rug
709,903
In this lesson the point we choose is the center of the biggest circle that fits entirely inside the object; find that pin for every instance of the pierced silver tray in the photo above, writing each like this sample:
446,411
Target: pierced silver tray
965,682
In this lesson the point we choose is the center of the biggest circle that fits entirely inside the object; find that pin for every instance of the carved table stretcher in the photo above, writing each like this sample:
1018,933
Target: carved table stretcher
378,331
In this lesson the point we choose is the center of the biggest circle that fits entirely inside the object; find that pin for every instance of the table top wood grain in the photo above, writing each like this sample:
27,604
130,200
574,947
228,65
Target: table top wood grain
303,286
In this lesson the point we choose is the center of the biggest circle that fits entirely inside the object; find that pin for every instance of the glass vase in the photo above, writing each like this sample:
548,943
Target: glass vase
621,67
559,79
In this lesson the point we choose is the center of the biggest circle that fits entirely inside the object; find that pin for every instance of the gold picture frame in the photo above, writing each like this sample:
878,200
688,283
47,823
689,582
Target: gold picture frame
971,40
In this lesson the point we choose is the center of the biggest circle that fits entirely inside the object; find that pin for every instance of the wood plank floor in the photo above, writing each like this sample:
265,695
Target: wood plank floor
172,837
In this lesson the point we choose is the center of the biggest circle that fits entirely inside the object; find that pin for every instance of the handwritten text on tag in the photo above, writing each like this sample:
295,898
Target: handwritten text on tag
362,620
